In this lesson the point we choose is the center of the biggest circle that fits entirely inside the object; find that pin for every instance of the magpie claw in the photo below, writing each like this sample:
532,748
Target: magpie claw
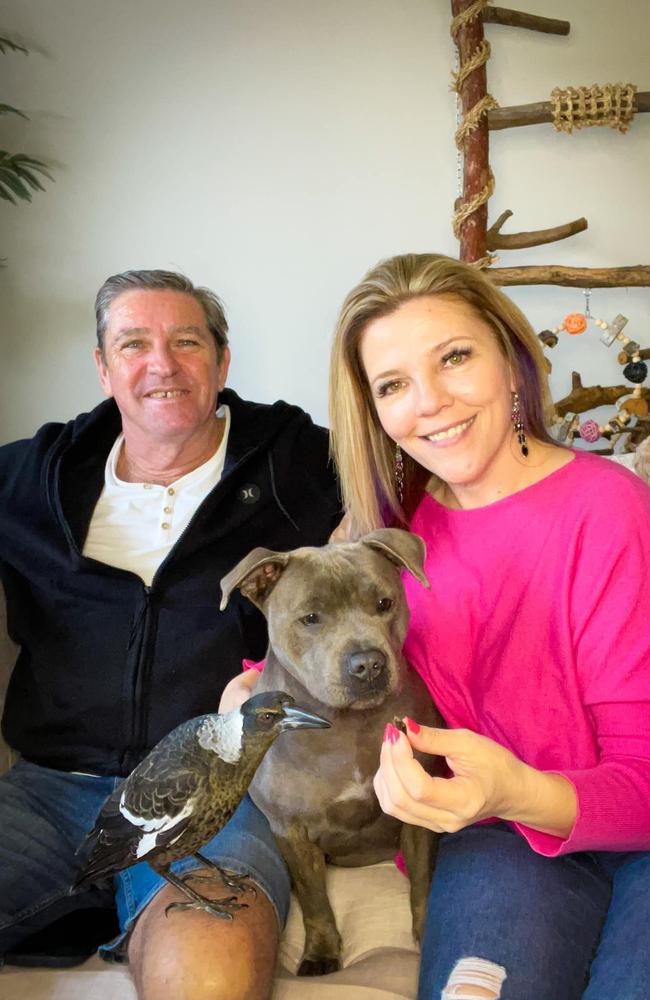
232,880
222,908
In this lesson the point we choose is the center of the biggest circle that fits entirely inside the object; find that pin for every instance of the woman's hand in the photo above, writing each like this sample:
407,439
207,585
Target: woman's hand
487,781
238,690
341,532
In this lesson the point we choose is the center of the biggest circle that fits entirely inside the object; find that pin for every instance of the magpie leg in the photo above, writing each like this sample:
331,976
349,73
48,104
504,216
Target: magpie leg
231,880
222,908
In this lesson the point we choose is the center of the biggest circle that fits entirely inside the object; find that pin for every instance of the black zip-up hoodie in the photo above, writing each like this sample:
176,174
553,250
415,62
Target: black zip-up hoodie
107,665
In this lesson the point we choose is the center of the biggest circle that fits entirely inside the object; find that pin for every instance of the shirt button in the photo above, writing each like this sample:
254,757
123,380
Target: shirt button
164,525
171,491
168,510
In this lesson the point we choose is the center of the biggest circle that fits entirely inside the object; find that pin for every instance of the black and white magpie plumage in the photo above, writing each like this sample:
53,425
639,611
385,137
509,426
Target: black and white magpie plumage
185,790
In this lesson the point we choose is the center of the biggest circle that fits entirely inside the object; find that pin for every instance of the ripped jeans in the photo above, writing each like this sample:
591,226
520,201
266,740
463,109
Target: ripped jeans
524,927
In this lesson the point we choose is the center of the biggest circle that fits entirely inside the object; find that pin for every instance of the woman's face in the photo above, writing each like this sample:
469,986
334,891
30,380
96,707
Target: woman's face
442,389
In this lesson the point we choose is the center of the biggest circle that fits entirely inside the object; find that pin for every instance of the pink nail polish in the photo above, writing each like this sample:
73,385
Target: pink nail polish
387,734
412,725
391,734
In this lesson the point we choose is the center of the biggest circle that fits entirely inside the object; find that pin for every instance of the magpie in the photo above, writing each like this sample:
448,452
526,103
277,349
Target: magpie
184,791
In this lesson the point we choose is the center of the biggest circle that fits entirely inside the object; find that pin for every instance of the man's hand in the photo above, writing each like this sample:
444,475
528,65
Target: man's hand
487,781
238,690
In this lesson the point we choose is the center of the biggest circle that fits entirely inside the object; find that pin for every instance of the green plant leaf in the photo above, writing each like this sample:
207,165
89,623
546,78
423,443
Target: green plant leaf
6,196
6,43
6,109
11,182
30,178
22,167
22,161
18,176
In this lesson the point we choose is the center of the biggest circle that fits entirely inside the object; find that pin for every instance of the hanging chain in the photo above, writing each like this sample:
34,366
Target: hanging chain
460,159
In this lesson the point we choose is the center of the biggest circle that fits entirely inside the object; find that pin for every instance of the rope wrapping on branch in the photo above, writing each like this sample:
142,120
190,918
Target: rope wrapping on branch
480,55
467,208
612,104
466,16
472,117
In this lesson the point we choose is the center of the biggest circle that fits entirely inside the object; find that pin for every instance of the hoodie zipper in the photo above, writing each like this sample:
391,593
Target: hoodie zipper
142,626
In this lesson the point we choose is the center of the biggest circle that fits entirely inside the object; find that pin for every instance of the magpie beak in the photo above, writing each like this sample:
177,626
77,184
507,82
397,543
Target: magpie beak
297,718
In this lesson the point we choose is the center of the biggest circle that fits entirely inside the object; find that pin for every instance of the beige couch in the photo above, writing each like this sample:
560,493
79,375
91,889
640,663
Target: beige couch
380,959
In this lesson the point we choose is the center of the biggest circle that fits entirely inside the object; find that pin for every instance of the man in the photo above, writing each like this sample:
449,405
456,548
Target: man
115,530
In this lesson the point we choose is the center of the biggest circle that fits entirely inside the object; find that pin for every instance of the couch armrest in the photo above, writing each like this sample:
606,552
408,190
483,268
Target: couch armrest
8,653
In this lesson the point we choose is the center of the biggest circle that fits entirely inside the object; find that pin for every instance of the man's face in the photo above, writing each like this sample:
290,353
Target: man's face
160,365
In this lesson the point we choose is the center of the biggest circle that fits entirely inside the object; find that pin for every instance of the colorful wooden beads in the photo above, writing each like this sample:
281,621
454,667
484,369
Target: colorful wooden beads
630,348
573,323
615,425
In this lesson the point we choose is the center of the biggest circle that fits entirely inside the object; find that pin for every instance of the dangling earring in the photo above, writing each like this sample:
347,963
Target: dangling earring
399,473
518,425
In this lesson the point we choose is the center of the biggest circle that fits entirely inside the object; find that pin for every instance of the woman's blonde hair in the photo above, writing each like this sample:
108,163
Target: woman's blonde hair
363,452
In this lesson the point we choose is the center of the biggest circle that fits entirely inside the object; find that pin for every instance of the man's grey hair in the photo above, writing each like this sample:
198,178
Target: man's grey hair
129,281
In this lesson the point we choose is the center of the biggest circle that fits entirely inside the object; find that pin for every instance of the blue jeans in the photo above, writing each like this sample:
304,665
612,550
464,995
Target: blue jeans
570,928
44,817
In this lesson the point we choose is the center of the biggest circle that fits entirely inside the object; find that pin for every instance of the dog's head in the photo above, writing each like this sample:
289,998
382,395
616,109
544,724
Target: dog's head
337,615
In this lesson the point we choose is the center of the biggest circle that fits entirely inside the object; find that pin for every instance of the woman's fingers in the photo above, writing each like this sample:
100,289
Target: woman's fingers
441,742
405,790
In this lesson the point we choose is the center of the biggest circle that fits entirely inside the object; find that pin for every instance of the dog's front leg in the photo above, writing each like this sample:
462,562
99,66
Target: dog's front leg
419,847
306,864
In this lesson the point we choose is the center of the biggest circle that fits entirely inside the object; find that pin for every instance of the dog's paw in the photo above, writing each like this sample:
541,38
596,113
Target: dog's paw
318,966
417,930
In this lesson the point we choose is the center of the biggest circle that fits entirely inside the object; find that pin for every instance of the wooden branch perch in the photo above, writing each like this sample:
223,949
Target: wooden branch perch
517,19
476,166
517,241
518,115
637,276
583,398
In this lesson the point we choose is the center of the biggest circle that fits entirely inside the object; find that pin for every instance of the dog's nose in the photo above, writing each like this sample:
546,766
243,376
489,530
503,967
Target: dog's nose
366,665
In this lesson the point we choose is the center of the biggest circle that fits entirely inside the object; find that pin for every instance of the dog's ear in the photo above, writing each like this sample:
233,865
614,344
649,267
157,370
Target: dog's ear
256,575
402,548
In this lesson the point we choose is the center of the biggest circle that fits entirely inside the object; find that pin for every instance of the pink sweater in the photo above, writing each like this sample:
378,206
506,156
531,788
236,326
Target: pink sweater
536,633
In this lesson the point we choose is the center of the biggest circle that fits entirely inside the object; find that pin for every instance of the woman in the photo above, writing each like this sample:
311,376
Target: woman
533,640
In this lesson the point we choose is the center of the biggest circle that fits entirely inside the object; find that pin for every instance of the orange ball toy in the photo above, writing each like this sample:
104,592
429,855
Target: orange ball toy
575,323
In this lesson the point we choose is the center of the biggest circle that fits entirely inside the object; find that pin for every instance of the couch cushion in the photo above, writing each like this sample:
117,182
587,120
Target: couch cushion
380,959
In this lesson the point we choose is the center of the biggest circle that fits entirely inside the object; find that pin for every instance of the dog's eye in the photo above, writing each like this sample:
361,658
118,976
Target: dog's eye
311,619
384,604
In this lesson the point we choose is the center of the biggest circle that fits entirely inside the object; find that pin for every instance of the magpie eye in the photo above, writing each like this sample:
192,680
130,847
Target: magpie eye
266,717
311,619
384,604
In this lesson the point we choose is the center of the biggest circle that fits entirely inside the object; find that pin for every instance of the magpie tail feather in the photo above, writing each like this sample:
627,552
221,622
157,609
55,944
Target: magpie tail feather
106,862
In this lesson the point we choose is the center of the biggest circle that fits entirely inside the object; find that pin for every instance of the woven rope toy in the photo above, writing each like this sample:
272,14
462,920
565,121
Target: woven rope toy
612,104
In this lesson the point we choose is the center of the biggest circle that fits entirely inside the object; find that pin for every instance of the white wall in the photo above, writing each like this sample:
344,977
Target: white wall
274,151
